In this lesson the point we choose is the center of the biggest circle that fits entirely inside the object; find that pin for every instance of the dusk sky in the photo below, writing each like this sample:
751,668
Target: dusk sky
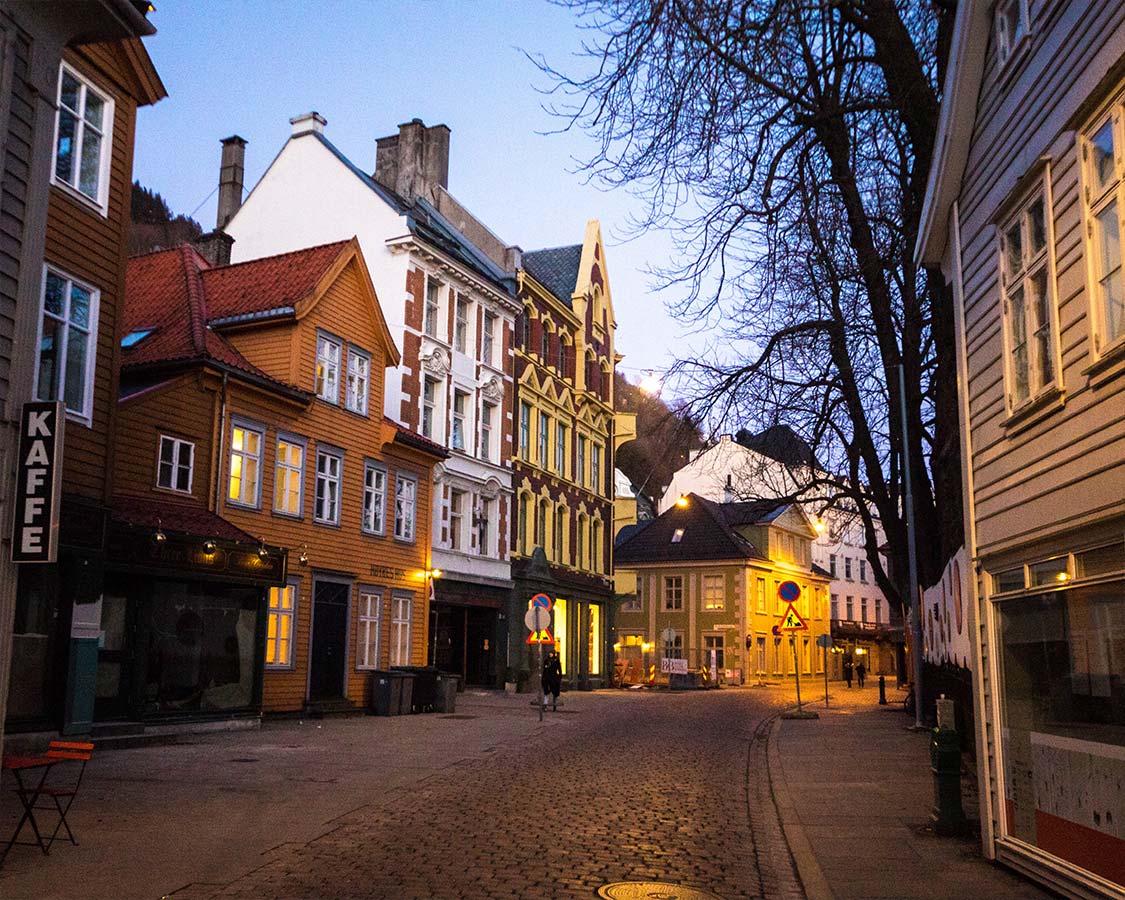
248,67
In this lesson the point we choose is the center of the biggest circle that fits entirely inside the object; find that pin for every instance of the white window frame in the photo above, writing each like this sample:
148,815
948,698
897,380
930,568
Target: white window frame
328,480
1096,202
369,618
246,427
461,304
285,468
525,432
405,507
359,373
374,513
560,448
596,467
544,442
327,379
430,407
487,413
708,602
431,307
175,464
101,200
488,338
1008,48
460,416
457,518
402,610
673,593
275,610
85,414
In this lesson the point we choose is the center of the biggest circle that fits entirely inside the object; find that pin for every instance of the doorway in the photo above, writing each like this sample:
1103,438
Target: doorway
328,659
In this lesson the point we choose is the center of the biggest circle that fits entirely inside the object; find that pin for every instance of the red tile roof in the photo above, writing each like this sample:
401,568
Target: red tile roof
414,439
175,516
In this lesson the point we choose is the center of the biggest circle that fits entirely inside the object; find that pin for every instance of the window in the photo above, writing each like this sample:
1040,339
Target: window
1027,301
761,595
580,540
460,403
596,467
487,411
484,526
401,605
327,507
525,330
433,306
456,520
544,440
677,535
580,474
850,606
280,625
562,357
67,343
174,468
596,551
369,625
544,344
777,661
1011,27
560,530
594,640
525,432
328,368
674,649
713,644
560,449
761,642
429,404
541,524
832,564
522,524
673,593
848,568
863,608
562,637
374,498
835,601
245,465
461,324
863,570
634,602
1104,163
288,477
405,492
713,592
82,140
781,604
359,379
488,329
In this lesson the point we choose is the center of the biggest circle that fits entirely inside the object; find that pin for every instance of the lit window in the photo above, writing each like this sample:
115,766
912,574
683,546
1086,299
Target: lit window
456,519
67,343
460,403
289,475
374,498
368,627
488,329
245,465
405,493
1104,165
401,606
677,535
135,337
359,379
461,325
174,469
594,640
713,592
279,626
328,368
673,593
82,143
327,509
1011,27
433,306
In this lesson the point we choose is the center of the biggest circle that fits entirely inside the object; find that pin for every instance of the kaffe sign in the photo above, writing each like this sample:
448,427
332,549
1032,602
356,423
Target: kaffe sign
35,534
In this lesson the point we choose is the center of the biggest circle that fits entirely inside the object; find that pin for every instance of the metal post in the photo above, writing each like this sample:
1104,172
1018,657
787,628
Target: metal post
796,669
916,621
826,678
542,699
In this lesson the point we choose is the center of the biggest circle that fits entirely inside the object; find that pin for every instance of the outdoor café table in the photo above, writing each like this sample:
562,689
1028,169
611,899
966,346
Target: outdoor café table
18,765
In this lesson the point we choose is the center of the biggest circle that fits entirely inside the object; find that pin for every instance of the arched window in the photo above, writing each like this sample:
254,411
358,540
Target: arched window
595,545
522,526
562,357
560,531
545,345
580,539
541,525
525,330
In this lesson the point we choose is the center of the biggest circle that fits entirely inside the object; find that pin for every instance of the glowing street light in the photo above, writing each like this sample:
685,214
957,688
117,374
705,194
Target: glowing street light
651,384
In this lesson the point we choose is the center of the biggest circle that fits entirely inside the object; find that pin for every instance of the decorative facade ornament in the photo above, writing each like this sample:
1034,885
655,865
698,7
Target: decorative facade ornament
436,361
493,390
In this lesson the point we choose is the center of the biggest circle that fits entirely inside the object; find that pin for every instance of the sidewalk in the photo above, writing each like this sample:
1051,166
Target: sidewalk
854,791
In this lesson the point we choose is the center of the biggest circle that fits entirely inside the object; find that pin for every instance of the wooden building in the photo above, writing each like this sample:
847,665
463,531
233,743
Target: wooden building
255,392
1024,215
73,75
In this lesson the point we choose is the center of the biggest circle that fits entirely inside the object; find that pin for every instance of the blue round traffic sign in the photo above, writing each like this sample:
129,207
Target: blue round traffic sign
542,600
789,591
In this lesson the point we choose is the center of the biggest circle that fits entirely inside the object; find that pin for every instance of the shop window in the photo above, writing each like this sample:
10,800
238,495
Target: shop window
83,140
174,469
673,593
562,635
1008,580
713,592
288,477
401,608
359,380
329,467
245,476
68,330
280,626
374,498
594,640
368,628
328,351
406,490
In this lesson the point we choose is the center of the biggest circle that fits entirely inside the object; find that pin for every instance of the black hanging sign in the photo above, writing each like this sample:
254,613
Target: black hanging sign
35,533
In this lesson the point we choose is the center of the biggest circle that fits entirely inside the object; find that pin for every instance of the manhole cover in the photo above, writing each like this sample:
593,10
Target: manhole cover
653,890
458,717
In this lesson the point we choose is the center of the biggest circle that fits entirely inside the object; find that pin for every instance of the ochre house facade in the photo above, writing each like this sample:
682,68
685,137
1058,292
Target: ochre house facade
272,392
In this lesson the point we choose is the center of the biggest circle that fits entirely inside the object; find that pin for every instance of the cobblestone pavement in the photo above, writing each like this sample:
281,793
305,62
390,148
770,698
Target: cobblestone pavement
652,788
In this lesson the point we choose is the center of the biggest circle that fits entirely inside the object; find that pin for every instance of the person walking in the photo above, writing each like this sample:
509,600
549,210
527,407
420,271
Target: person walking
848,670
552,679
860,672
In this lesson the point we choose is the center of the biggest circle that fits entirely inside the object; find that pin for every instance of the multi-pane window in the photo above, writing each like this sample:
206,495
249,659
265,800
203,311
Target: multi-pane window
487,413
433,306
484,526
541,524
525,330
560,449
429,406
580,543
848,568
1104,158
279,626
544,439
1011,27
713,592
288,476
245,465
561,365
850,607
863,608
368,627
82,144
359,380
878,610
832,564
461,324
1027,302
674,649
328,473
673,592
560,529
67,343
863,570
328,368
525,432
544,345
374,498
174,468
400,629
713,644
835,606
405,493
456,519
487,336
596,467
761,607
580,475
460,404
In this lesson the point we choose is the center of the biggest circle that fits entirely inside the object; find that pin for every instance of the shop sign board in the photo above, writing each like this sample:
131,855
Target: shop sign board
35,537
673,666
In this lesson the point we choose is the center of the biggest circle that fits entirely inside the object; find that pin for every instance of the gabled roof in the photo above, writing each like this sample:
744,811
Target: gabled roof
175,516
556,269
706,534
751,512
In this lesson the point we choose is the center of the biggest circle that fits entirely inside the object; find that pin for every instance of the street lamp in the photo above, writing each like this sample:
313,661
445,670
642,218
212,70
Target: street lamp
428,576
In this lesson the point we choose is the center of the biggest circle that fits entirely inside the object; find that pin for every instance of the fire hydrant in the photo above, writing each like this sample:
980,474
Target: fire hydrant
945,763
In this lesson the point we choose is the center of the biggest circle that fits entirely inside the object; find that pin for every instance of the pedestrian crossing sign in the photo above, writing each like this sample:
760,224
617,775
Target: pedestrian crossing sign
792,620
540,637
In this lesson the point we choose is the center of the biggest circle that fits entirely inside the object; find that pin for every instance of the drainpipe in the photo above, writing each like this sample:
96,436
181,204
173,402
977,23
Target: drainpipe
219,444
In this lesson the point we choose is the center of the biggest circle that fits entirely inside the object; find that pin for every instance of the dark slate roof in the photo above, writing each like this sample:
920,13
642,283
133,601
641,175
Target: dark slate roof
780,442
707,535
752,512
556,269
175,516
627,532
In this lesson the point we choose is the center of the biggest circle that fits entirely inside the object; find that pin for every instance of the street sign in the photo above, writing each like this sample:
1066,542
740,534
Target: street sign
776,631
789,591
537,618
673,666
540,637
792,620
824,640
542,601
668,635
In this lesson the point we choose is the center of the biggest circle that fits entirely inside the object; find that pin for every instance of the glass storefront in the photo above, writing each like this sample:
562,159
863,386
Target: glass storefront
594,640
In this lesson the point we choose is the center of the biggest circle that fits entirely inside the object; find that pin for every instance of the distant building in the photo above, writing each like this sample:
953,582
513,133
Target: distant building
863,623
1024,214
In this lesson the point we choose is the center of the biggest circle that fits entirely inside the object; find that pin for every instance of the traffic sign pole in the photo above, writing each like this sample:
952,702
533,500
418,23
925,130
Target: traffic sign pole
826,677
542,698
796,669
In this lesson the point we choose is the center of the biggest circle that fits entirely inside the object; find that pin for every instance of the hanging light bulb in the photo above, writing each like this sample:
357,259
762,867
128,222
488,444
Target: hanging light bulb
159,536
303,559
209,546
263,551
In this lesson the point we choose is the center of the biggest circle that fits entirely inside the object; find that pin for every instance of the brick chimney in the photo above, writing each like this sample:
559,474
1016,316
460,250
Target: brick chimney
231,178
414,162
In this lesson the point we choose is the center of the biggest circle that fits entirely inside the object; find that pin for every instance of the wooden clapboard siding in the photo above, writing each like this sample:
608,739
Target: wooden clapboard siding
1037,478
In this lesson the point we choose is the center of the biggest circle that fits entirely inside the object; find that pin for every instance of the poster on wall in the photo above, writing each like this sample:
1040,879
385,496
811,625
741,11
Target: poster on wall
35,526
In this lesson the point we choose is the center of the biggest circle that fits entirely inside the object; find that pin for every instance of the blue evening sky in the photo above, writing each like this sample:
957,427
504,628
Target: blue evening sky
247,67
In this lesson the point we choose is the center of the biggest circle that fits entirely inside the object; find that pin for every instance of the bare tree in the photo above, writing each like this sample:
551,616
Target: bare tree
787,144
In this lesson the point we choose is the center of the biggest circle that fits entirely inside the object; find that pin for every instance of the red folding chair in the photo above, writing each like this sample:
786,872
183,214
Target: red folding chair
62,796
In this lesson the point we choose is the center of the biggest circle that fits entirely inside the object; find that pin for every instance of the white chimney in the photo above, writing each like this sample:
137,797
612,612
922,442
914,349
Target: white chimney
728,491
310,121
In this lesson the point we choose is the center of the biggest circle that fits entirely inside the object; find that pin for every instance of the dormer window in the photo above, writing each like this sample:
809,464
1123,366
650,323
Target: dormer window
1011,27
677,535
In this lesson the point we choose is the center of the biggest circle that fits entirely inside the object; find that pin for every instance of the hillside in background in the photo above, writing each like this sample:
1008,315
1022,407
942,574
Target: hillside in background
154,227
664,438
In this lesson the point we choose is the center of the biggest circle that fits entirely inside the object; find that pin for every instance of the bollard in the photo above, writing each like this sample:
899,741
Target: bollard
882,690
945,764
